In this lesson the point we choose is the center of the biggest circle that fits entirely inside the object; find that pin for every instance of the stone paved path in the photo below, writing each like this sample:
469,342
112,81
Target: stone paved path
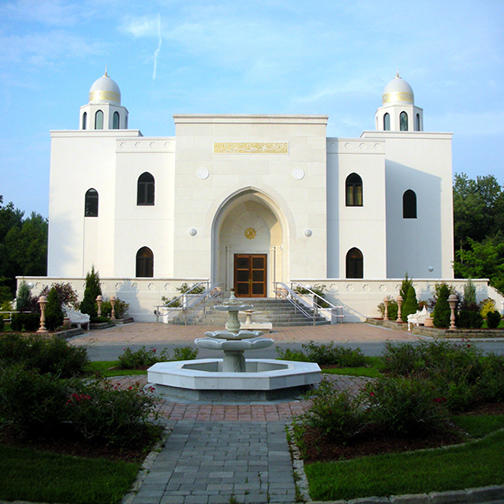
221,463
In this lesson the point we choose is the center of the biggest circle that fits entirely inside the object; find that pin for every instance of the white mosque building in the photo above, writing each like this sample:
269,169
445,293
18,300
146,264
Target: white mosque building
247,201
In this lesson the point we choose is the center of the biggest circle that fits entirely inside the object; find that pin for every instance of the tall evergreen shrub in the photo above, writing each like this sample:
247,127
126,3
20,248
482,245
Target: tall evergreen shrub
23,298
54,314
406,284
442,308
410,304
93,289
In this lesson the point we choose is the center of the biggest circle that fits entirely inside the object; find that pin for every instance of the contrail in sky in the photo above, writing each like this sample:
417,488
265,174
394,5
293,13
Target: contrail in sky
156,52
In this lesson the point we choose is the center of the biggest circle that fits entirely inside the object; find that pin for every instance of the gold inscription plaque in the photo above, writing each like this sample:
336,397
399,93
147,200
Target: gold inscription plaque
251,147
104,95
395,96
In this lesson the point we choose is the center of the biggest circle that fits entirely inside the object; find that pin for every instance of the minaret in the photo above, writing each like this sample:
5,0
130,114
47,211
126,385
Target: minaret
104,110
398,111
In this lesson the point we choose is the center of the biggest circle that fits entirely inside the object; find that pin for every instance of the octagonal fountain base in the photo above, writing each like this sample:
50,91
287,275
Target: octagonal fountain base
204,380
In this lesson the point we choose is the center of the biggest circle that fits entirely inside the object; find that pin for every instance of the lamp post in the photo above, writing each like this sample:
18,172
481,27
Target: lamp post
385,315
42,301
399,303
112,304
99,301
452,301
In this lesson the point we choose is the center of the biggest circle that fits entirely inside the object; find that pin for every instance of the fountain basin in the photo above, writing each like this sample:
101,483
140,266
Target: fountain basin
262,380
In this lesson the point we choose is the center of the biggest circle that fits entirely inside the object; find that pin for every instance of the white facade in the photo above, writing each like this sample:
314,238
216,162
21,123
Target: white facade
272,186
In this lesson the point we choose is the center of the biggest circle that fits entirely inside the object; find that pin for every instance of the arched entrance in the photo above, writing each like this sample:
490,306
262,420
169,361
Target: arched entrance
249,244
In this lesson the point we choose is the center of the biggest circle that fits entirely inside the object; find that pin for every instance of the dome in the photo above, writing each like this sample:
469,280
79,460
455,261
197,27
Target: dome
397,91
105,90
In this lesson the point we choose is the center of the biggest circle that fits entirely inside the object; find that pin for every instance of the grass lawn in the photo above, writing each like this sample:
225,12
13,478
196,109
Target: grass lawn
372,370
104,368
39,476
475,464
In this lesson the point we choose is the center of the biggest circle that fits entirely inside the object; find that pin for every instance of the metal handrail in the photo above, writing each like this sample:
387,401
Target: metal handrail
331,309
295,300
191,303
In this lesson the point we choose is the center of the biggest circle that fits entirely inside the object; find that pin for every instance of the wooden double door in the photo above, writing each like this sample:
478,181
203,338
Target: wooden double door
250,275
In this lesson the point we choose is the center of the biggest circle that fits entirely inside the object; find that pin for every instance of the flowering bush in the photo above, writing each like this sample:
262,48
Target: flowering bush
336,415
328,354
39,405
31,403
102,413
45,355
406,407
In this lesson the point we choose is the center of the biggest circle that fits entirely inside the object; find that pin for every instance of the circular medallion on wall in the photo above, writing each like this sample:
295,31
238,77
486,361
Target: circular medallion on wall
298,173
308,233
250,233
193,232
202,173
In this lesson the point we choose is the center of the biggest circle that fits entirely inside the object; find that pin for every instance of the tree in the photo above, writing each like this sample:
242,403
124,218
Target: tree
92,290
406,284
410,304
23,298
442,310
53,313
483,260
478,209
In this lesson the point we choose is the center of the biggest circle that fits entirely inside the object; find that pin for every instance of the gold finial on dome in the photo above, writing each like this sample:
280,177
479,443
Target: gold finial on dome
397,76
105,74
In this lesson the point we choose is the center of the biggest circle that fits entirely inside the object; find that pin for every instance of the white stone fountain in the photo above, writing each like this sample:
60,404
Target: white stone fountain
233,378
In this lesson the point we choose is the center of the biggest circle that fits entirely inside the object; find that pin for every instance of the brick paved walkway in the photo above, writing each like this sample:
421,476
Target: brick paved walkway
214,462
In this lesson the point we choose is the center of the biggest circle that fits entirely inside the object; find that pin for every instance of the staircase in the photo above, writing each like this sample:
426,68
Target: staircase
279,312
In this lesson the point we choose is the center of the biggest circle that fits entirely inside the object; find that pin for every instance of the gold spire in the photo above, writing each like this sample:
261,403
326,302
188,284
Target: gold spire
105,74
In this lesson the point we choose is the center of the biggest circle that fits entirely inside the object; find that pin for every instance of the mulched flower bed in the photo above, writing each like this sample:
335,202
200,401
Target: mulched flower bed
79,448
318,449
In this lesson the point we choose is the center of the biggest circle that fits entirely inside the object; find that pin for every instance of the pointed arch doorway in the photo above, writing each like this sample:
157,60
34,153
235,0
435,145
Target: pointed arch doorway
249,245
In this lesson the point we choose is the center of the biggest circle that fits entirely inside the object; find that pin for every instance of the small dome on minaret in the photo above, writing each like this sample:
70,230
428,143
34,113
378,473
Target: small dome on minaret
105,90
397,91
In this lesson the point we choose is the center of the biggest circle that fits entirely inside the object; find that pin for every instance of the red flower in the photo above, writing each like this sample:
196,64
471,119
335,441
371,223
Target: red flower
372,394
440,399
130,388
154,350
468,346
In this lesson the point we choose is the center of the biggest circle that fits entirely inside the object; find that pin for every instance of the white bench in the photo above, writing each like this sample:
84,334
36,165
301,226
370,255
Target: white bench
76,317
418,318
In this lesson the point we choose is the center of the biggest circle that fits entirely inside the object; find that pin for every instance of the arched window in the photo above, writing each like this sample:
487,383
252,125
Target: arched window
84,120
417,122
354,264
91,203
409,205
386,122
144,263
115,124
145,189
98,120
403,121
353,190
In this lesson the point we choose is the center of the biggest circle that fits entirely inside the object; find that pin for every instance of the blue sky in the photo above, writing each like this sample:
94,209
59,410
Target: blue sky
330,57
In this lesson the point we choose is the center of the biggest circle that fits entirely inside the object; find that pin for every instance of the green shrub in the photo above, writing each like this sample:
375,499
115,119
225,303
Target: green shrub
331,354
493,319
45,355
195,290
184,353
53,313
490,382
2,324
291,355
406,407
469,293
120,308
91,292
392,309
31,403
410,304
102,413
442,308
142,358
317,289
25,321
338,416
405,285
100,320
469,319
23,298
